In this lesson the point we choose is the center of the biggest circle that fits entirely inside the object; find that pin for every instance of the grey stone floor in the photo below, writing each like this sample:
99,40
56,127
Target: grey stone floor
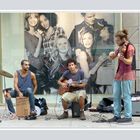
50,121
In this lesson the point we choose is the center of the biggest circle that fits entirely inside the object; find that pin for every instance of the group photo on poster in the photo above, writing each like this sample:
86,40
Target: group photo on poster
48,47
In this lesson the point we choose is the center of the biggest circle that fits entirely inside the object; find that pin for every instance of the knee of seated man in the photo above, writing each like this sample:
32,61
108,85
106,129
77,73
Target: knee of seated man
82,95
29,90
66,97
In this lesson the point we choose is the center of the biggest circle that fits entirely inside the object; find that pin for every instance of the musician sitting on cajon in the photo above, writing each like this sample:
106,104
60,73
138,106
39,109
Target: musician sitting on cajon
24,85
72,78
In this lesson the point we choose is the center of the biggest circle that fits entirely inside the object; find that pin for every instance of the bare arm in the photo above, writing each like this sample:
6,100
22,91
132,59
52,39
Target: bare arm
127,61
61,83
82,83
129,58
34,82
16,84
112,55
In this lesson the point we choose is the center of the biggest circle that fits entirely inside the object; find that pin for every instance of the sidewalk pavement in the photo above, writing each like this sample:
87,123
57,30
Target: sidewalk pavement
50,121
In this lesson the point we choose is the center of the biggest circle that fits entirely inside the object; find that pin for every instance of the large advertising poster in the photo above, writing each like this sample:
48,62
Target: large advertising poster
52,38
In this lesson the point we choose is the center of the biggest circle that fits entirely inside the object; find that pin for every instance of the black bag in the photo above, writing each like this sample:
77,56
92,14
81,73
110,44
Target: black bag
41,103
105,105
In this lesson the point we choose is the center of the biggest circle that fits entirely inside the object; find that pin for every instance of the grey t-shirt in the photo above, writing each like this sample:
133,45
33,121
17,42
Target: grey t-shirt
78,77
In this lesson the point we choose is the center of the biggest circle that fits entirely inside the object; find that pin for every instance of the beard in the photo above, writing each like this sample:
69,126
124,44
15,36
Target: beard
26,69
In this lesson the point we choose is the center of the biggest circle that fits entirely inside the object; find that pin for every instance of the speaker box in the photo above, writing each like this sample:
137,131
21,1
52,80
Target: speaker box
75,110
136,108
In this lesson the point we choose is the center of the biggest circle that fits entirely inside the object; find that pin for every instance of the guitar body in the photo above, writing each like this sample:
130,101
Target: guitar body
69,88
62,90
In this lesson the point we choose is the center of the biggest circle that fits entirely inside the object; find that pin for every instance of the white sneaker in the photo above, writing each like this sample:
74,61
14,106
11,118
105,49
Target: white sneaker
13,116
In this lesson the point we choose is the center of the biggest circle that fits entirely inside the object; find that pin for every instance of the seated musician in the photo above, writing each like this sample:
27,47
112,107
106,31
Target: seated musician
73,78
24,85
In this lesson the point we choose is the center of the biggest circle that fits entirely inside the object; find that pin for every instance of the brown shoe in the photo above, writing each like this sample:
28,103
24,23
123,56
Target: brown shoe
82,115
33,113
63,116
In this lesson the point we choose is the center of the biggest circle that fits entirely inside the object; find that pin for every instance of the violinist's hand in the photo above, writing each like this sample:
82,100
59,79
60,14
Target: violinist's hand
112,55
120,56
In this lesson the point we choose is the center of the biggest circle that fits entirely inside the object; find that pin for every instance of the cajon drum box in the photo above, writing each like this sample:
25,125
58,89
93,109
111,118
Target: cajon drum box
75,110
22,106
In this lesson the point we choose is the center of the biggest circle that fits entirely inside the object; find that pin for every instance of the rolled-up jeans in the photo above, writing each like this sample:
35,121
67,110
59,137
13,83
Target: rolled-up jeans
122,88
28,93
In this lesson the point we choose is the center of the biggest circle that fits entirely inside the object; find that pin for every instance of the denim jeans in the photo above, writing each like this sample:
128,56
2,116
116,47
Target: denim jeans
28,93
122,88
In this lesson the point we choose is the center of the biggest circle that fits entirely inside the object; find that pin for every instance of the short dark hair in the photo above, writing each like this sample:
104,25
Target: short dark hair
71,60
22,61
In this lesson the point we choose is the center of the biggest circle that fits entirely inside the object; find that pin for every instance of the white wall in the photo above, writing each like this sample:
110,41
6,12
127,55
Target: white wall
12,43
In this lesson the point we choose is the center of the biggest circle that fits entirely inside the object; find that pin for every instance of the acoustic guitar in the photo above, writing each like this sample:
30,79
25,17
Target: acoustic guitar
69,88
62,90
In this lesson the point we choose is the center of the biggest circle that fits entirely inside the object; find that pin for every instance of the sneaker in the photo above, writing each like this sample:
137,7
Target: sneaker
33,113
124,120
63,116
114,119
30,117
82,115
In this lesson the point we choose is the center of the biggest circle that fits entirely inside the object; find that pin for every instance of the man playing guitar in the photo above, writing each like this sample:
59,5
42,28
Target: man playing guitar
72,81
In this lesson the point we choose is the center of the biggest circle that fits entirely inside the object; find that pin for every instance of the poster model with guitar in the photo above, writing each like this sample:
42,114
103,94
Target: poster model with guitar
72,88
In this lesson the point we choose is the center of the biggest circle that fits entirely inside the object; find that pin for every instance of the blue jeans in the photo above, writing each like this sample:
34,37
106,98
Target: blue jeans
122,88
28,93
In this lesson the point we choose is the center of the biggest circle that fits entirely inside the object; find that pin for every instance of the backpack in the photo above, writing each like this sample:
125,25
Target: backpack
105,105
41,103
133,64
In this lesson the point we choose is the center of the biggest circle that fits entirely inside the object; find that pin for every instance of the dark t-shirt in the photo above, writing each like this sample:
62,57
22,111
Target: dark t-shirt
78,77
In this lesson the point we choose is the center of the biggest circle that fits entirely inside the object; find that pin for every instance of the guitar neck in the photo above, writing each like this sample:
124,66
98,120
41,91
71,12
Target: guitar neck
99,63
